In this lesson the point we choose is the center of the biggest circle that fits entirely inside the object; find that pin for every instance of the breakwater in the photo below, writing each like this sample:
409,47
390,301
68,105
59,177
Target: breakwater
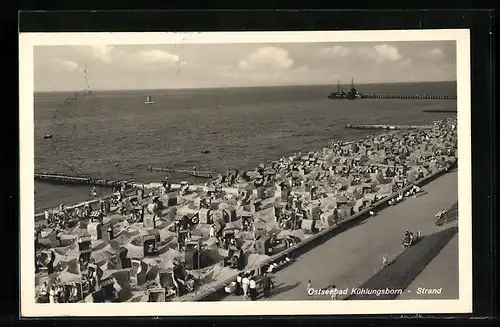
439,111
409,97
218,291
388,127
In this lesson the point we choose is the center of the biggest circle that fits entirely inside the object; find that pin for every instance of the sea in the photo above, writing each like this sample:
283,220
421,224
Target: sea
114,135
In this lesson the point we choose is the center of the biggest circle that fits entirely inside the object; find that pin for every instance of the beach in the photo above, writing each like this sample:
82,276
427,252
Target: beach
172,232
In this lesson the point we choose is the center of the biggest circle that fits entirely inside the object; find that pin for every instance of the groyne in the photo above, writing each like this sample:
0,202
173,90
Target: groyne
217,291
55,178
409,97
388,127
145,186
194,173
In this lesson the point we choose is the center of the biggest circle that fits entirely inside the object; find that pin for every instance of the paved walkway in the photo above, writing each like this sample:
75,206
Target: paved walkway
354,256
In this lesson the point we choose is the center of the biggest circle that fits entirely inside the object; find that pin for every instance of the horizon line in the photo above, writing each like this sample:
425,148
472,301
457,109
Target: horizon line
240,87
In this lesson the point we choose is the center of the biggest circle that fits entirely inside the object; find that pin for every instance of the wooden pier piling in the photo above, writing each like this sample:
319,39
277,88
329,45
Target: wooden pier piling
409,97
75,180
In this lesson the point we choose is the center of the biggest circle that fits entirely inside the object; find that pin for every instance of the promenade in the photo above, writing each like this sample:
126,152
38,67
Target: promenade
354,256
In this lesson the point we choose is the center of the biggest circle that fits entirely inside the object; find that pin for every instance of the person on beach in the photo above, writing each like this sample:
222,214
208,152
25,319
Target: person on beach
334,293
44,291
238,291
267,285
385,262
252,288
52,294
93,191
50,264
245,283
74,293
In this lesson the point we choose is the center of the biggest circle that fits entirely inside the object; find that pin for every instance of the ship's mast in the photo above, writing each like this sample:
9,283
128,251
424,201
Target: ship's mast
338,86
352,83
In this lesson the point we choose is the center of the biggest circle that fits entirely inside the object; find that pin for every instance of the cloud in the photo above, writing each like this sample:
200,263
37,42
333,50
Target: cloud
102,52
335,51
381,53
157,57
60,65
302,69
435,54
406,62
267,58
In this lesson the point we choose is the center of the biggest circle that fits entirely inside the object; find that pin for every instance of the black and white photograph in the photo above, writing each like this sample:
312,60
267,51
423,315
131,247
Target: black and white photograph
267,173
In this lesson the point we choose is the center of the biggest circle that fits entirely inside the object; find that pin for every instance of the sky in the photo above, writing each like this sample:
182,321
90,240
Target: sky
170,66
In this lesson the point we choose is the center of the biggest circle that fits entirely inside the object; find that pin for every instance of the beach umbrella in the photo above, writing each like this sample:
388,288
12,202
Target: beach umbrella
114,273
102,256
151,261
99,245
341,199
68,277
137,297
71,254
134,251
170,255
363,159
108,265
165,266
233,225
270,171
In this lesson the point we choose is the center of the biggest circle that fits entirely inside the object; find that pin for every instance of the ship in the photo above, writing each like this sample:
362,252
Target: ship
148,100
352,94
340,94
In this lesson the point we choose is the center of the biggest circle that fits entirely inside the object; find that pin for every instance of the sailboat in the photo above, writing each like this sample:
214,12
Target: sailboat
148,100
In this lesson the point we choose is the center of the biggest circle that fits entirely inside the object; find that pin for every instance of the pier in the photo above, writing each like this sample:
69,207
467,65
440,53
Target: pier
409,97
388,127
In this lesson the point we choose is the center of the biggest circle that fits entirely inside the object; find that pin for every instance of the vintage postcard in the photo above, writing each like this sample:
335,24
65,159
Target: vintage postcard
255,173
